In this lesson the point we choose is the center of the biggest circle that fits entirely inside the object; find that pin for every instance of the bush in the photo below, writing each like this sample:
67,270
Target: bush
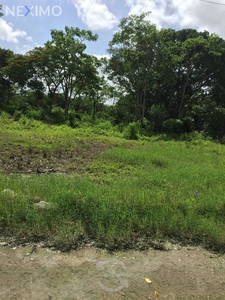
74,119
17,115
58,115
36,114
131,131
188,124
173,126
191,136
106,125
5,117
24,120
147,128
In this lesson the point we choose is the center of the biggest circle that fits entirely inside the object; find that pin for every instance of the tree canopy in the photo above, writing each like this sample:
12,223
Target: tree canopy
165,80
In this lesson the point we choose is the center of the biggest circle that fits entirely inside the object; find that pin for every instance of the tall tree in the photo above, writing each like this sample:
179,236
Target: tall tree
5,83
133,51
63,63
22,74
187,67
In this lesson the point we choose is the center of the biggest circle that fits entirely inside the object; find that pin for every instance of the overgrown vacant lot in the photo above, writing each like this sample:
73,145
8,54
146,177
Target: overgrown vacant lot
102,188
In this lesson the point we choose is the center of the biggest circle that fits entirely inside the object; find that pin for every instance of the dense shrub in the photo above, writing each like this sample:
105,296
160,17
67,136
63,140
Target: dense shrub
173,126
147,128
36,114
58,115
103,124
188,124
5,116
74,119
131,131
17,115
24,120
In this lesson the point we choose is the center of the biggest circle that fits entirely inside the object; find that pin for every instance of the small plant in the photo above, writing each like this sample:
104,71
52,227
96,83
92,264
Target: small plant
24,120
131,131
4,115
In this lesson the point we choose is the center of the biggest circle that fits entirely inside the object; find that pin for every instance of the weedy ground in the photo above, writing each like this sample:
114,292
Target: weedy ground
117,193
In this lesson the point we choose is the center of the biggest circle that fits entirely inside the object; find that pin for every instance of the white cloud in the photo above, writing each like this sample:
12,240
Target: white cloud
29,38
8,34
182,14
95,14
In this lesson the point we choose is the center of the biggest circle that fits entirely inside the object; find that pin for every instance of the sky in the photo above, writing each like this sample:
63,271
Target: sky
27,23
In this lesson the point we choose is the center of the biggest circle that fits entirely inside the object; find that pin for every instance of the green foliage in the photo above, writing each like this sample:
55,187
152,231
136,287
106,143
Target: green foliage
133,53
74,119
5,117
23,120
157,116
193,136
173,126
188,124
68,67
147,128
157,77
6,86
58,115
36,114
17,115
131,131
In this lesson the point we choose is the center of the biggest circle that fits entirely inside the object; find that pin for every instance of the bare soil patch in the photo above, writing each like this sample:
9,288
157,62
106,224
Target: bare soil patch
64,159
181,273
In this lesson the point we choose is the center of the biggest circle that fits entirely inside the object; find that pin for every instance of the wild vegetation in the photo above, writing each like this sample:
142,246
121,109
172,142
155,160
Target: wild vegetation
124,195
166,81
122,158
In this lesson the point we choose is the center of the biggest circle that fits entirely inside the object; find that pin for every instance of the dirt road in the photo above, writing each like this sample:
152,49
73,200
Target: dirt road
88,274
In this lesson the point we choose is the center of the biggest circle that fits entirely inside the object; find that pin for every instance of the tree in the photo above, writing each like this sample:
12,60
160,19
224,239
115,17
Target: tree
64,65
44,68
21,73
133,53
5,83
99,95
187,66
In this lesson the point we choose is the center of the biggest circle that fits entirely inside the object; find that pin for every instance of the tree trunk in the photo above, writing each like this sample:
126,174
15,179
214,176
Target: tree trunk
183,94
138,105
51,102
94,109
67,100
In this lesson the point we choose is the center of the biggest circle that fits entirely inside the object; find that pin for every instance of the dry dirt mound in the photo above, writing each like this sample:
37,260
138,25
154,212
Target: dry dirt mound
88,274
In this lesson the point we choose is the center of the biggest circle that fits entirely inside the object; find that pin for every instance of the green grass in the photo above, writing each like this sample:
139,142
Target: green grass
134,190
31,133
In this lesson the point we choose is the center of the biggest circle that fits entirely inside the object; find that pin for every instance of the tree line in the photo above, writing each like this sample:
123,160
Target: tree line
164,80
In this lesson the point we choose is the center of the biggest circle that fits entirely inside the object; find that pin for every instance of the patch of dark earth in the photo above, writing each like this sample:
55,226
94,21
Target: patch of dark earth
28,160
